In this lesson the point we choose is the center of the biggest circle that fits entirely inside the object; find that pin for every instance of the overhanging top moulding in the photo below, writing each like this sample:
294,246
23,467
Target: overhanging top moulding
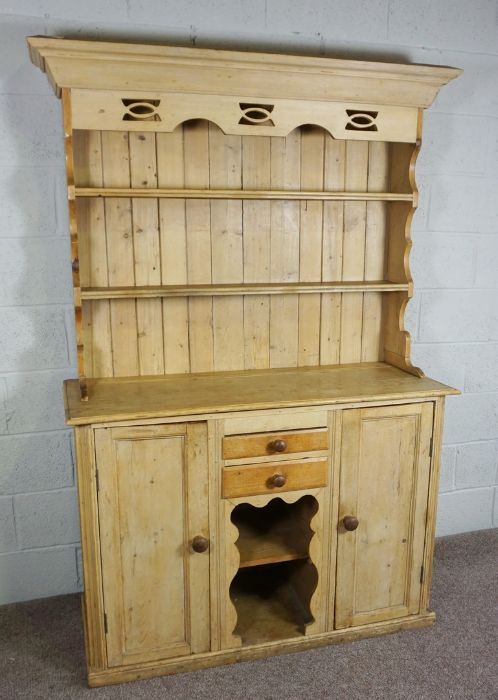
102,65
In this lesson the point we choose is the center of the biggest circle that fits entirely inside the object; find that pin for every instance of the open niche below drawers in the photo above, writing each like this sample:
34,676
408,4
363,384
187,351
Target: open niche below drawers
276,579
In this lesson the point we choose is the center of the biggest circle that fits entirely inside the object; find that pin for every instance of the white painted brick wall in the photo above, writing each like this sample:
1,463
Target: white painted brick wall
453,317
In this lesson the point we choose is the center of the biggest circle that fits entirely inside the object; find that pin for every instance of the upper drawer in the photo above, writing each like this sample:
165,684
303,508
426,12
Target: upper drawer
264,444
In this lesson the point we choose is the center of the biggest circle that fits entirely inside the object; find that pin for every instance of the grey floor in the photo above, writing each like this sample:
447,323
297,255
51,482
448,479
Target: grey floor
41,649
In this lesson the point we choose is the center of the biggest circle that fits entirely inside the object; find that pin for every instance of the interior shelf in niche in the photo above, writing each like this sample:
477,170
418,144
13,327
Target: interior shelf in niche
274,533
201,290
141,192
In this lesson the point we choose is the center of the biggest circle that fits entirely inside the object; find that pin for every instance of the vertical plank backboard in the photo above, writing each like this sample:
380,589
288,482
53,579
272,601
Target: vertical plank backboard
87,146
333,230
146,247
256,158
196,154
225,172
375,246
310,248
284,249
353,261
173,237
120,254
228,241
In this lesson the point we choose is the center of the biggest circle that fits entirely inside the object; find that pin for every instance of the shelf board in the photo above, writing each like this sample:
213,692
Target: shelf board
279,544
208,393
202,290
141,192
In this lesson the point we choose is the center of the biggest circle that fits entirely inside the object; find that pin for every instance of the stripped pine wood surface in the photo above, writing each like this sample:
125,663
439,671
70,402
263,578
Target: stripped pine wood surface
120,254
225,169
173,238
93,244
233,193
75,248
252,254
239,290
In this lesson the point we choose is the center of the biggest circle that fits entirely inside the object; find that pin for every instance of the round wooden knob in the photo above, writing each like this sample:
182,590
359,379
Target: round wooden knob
277,446
350,522
277,480
200,543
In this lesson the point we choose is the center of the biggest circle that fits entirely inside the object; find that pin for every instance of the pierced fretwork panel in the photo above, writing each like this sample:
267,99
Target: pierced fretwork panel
135,111
359,120
140,110
256,114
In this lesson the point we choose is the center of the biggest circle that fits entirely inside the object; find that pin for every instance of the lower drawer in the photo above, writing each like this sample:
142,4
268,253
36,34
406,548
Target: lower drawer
256,479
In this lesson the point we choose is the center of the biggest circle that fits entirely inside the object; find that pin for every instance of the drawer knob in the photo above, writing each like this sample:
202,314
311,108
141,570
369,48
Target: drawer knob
350,522
200,544
277,480
277,446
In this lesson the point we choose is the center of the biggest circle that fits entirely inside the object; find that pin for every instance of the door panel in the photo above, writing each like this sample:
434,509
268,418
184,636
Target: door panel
384,479
152,502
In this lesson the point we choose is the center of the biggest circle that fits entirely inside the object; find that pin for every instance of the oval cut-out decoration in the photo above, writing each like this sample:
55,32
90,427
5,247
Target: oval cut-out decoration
361,120
141,110
256,114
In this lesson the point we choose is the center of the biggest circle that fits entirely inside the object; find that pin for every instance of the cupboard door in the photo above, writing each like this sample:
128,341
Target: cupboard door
152,503
385,462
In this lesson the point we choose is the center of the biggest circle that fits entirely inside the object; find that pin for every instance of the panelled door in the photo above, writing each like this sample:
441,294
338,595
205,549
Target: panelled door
385,464
152,504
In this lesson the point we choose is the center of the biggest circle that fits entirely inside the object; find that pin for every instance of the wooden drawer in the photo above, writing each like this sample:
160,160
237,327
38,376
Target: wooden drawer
255,479
264,444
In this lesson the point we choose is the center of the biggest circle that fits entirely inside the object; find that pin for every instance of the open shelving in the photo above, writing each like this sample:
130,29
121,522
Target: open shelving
268,603
273,587
275,533
207,251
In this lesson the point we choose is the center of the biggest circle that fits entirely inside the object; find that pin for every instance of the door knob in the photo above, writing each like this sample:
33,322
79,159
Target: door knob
200,544
350,522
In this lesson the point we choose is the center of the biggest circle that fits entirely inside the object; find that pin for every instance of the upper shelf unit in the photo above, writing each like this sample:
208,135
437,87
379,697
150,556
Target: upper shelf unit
234,210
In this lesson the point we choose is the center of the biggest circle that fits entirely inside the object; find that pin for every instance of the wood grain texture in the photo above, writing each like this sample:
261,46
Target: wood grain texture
147,254
384,481
75,249
190,228
251,480
257,445
173,239
157,397
240,239
120,254
93,602
437,439
88,169
235,194
225,169
150,574
259,651
198,218
112,65
281,319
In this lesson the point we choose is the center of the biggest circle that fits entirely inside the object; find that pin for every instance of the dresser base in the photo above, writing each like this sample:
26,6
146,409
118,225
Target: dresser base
97,678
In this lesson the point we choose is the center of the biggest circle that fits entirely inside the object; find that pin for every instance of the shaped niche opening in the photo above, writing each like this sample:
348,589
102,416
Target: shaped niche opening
273,587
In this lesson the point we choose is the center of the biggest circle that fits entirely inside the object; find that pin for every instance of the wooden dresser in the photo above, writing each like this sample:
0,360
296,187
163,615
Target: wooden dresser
257,456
